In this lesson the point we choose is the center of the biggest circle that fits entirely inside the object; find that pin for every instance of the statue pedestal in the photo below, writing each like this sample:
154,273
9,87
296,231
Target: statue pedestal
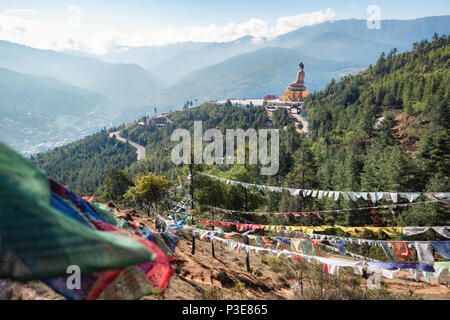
294,96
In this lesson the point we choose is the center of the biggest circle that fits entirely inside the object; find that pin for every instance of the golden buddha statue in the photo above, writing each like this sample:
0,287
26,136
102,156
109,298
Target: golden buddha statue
301,74
296,90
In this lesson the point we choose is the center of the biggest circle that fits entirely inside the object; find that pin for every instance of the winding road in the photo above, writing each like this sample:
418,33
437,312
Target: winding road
140,150
300,119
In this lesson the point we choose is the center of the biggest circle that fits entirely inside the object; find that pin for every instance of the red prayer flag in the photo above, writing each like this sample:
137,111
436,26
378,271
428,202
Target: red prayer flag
401,250
316,243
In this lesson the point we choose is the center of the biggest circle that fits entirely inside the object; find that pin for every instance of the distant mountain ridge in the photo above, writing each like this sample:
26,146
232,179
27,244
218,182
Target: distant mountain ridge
342,40
338,48
38,112
52,97
397,33
254,74
121,83
180,65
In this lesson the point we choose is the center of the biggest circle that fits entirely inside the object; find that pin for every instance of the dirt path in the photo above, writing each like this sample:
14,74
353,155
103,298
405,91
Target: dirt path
301,120
140,150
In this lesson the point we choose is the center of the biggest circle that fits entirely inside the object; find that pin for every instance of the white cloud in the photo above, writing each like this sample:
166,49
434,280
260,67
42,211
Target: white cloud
33,33
20,30
13,11
47,35
287,24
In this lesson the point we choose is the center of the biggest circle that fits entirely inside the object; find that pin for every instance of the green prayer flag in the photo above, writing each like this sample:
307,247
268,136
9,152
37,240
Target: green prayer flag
388,251
40,242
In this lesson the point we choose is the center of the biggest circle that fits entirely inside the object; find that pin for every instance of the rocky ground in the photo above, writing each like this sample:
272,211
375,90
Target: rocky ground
201,276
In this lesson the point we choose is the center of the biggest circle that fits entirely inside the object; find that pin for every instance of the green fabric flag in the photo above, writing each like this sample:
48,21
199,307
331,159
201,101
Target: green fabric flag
308,247
108,216
23,174
162,244
187,218
39,242
259,241
388,251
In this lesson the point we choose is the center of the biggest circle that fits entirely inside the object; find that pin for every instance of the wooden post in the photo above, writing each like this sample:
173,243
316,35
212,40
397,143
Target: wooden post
212,248
247,259
193,244
435,223
246,199
303,175
191,170
212,240
192,201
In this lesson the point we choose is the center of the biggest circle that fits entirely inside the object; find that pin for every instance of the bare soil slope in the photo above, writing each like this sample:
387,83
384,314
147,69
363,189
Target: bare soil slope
201,276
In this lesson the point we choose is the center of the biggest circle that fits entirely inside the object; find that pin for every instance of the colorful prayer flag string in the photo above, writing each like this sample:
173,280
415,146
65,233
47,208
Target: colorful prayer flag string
318,212
335,195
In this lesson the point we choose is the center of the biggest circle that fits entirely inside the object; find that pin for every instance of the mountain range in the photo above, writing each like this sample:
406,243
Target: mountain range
132,81
39,112
345,41
121,83
251,75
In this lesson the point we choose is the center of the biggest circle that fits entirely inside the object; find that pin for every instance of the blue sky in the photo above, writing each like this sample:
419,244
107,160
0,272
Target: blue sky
43,23
163,13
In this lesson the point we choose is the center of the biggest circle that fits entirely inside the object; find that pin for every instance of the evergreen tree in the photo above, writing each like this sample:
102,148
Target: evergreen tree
115,184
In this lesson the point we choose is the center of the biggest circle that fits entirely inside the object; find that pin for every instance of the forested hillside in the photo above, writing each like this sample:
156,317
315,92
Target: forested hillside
84,164
390,123
385,129
158,142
